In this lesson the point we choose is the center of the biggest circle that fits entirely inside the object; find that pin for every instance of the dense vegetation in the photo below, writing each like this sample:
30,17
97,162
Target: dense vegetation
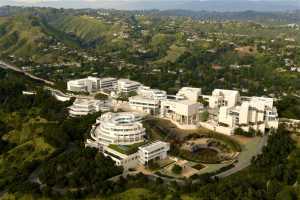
289,107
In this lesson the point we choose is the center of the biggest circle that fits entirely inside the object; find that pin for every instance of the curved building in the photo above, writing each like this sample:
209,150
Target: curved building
83,107
122,128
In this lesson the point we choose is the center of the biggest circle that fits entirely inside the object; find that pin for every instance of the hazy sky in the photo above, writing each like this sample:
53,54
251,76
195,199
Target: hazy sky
36,1
212,5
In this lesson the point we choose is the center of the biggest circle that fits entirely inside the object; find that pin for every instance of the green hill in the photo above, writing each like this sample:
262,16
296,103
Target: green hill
84,27
21,36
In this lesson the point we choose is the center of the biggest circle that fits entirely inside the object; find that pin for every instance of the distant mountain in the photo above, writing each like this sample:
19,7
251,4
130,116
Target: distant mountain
209,5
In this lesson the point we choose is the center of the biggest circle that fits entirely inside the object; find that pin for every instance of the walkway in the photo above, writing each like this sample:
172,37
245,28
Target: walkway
250,150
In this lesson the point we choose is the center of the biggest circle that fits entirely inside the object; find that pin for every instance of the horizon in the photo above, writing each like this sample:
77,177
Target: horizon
193,5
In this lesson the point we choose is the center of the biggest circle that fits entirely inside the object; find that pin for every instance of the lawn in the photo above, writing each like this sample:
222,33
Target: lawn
126,149
131,194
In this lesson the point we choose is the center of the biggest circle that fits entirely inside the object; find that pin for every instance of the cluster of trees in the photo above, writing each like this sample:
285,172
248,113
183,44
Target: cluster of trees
69,130
289,107
83,169
250,133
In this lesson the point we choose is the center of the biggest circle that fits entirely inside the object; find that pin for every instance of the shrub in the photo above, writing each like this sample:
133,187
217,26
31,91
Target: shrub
177,169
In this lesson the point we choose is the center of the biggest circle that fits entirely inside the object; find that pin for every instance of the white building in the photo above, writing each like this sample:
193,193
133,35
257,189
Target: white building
254,112
121,136
153,151
181,111
127,161
108,83
126,86
140,155
89,84
139,103
83,107
149,93
92,84
189,93
122,128
147,100
223,98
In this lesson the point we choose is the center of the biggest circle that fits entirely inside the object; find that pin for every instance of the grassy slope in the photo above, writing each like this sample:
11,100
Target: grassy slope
21,37
173,54
84,27
30,145
21,155
131,194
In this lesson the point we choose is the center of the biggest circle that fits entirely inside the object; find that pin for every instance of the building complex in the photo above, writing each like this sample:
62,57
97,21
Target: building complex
153,151
94,84
123,128
189,93
127,86
147,100
182,112
89,84
222,98
235,111
227,108
83,107
122,137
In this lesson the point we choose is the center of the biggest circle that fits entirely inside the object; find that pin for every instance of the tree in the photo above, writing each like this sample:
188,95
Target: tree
204,116
239,131
101,96
201,100
3,127
176,169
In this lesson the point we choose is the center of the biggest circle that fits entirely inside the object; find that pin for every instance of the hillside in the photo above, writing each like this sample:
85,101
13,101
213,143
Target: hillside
21,35
163,49
36,135
83,27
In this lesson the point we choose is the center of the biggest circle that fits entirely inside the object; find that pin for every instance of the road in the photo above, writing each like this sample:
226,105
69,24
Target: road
244,160
11,67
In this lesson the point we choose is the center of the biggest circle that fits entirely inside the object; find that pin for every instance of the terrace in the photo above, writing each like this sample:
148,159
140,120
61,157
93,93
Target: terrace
127,149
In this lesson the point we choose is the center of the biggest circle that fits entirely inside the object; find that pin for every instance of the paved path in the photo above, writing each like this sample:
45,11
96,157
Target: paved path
244,159
11,67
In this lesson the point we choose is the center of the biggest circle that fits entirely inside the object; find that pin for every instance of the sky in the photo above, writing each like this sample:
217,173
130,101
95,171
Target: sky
84,1
210,5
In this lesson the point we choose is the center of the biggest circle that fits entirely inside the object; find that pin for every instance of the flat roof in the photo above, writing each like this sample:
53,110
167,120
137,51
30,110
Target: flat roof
142,98
153,146
183,102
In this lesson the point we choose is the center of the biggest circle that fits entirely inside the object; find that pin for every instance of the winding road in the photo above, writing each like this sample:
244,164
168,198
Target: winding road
244,160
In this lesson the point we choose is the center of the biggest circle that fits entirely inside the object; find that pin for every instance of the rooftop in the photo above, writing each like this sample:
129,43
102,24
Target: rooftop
153,146
183,102
126,149
142,98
